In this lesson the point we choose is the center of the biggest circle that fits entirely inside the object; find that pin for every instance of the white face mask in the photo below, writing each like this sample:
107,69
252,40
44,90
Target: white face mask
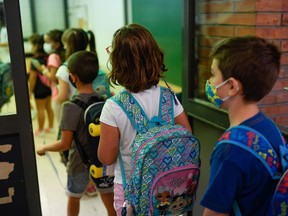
47,48
28,48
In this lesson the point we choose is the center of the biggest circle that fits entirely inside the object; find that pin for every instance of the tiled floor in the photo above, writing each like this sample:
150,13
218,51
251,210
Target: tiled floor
52,192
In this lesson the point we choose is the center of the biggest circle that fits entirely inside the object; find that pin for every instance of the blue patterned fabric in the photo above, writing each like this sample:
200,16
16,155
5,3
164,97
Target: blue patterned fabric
165,160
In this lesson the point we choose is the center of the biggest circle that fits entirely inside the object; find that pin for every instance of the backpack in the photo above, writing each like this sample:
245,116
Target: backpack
165,160
101,85
92,111
255,143
6,83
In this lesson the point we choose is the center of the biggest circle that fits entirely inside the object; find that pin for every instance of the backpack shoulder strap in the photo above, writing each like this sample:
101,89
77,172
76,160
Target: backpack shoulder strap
166,106
255,143
80,149
136,114
80,103
84,105
133,110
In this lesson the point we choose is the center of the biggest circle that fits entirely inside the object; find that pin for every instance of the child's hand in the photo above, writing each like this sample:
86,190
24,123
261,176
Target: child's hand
41,151
44,69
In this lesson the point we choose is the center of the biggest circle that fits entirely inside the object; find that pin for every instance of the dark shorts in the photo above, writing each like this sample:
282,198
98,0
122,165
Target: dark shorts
104,184
41,91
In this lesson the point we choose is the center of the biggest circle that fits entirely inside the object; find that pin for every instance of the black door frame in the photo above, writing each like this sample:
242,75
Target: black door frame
17,128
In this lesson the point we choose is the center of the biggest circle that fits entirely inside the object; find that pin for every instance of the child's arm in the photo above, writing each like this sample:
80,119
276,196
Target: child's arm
32,81
108,144
60,145
183,120
36,64
53,63
63,92
50,72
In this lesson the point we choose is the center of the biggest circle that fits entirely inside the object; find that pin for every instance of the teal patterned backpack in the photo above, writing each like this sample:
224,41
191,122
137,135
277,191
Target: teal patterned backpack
165,160
277,165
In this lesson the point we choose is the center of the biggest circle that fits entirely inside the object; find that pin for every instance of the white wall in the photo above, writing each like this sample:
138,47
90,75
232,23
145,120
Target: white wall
48,15
103,17
25,18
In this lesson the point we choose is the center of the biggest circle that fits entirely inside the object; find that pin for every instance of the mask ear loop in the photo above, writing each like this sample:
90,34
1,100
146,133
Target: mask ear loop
221,84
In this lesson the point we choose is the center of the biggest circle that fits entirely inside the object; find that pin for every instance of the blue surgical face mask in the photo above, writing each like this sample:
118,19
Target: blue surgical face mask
212,95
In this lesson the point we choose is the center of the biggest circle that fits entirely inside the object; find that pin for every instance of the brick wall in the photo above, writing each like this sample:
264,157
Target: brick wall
219,19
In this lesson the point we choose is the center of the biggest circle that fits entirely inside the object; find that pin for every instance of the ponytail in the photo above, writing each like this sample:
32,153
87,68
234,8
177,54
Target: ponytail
91,41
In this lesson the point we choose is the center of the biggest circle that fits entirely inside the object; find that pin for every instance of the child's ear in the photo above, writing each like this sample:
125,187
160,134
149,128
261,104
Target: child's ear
235,86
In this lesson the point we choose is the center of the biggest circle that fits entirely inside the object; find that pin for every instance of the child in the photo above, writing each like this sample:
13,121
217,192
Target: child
73,39
38,87
54,47
243,71
83,68
137,64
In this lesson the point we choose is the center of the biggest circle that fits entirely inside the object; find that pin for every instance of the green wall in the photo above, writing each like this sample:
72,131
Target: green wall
164,20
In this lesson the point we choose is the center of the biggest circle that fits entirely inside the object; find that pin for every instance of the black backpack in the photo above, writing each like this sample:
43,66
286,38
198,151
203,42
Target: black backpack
92,111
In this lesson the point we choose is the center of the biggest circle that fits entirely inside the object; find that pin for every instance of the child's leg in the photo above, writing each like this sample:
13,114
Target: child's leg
50,113
76,186
73,206
40,104
108,199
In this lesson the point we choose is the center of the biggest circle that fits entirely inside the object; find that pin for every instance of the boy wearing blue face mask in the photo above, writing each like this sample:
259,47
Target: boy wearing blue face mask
243,71
83,68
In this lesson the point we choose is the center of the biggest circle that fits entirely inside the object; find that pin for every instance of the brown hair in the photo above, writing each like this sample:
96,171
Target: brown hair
136,59
38,41
77,39
253,61
55,35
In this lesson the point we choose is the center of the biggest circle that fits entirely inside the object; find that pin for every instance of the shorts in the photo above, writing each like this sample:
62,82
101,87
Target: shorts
76,185
105,184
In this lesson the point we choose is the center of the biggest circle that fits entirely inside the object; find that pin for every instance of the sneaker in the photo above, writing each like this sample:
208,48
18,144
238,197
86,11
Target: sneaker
39,133
91,190
49,130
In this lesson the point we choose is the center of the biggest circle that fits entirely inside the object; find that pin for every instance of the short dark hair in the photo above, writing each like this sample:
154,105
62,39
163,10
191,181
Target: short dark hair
85,65
252,60
37,40
136,59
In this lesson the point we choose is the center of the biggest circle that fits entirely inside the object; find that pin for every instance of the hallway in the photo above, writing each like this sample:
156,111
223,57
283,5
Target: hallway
52,192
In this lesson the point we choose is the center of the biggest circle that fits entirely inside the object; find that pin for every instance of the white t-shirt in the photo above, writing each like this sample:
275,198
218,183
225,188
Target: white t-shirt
113,115
63,74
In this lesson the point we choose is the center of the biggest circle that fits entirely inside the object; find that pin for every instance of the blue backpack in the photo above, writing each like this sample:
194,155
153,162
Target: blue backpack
101,85
165,160
255,143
